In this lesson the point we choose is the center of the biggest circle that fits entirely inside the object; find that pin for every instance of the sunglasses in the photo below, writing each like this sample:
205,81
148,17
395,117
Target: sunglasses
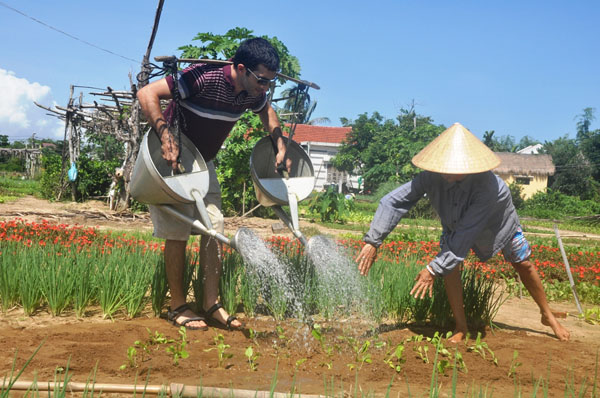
262,80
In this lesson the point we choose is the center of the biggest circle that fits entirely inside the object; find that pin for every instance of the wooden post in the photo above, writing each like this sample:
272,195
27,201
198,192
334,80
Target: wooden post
244,199
71,138
145,72
568,268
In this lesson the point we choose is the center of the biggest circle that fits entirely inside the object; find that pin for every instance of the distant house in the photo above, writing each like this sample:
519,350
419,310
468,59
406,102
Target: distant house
531,149
530,171
48,145
321,144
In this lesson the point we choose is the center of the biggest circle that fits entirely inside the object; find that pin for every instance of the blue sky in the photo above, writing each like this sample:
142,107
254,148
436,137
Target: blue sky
519,68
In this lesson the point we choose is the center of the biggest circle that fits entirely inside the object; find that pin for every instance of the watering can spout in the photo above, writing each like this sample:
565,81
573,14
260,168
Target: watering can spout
303,240
237,242
198,226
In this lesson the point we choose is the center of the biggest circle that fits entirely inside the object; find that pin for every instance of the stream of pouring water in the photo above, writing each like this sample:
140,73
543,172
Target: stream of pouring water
338,275
267,267
340,287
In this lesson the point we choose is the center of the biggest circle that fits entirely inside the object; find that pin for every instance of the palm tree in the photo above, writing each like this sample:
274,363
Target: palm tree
298,106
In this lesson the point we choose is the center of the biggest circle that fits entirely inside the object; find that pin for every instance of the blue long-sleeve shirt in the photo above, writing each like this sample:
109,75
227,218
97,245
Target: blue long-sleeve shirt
476,213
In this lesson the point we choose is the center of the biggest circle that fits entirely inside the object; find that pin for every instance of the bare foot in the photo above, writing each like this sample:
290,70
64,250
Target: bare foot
457,337
561,333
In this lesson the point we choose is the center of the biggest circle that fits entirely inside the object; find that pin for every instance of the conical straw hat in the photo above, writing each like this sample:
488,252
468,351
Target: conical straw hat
456,151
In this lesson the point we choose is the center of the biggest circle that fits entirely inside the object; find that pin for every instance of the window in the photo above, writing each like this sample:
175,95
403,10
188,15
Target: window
334,176
523,180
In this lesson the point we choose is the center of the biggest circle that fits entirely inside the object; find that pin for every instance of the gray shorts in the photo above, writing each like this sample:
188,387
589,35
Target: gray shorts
168,227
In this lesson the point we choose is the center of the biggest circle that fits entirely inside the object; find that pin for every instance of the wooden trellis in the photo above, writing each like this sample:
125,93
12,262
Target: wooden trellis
32,156
118,115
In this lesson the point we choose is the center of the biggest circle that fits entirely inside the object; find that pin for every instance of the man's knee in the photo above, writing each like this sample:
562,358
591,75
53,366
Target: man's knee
523,266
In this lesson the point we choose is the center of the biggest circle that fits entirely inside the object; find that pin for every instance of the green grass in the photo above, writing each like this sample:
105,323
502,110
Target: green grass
564,225
416,229
13,187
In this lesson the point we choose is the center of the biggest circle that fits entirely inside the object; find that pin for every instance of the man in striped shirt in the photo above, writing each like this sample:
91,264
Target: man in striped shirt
213,99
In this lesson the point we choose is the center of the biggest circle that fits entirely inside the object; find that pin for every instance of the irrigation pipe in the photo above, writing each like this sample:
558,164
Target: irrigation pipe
568,268
173,389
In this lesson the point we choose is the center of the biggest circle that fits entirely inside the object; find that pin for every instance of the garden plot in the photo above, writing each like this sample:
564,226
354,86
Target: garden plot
317,352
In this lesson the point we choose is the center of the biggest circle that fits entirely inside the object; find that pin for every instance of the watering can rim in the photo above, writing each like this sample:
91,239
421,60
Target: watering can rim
157,177
256,179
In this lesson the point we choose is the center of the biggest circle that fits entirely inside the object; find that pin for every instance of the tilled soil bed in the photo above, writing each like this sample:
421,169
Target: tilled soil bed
289,357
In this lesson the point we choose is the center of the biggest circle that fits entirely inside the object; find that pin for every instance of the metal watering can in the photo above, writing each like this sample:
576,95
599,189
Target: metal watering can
153,182
274,189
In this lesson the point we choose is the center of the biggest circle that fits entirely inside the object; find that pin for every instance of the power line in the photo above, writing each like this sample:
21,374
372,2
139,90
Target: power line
64,33
576,165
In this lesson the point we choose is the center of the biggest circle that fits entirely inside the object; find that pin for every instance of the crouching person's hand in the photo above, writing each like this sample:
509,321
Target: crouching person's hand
365,258
423,283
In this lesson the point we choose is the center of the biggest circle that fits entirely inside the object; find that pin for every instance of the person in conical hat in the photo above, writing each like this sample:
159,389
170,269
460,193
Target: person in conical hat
476,211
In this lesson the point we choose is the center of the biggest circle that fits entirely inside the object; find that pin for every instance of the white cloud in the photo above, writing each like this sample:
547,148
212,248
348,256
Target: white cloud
19,116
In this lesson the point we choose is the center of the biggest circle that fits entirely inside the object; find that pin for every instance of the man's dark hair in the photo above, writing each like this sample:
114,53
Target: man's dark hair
254,52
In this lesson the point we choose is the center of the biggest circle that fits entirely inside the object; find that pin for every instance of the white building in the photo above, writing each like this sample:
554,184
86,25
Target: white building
531,149
322,144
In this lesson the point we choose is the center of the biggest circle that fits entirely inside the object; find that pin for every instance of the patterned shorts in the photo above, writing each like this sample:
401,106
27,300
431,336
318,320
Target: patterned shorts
518,249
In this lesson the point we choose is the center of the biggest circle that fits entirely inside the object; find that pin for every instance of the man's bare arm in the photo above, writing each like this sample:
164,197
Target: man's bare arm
149,97
270,122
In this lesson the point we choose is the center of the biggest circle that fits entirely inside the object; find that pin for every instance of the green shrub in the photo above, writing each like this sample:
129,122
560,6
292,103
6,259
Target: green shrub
331,206
233,166
553,205
516,192
423,209
93,177
137,207
50,179
12,164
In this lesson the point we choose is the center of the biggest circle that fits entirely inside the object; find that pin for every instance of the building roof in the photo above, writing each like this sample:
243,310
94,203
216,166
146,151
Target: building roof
531,149
524,164
310,133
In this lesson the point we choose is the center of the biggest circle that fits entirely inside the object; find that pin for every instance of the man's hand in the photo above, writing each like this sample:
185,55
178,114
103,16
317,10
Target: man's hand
424,282
365,258
279,160
170,149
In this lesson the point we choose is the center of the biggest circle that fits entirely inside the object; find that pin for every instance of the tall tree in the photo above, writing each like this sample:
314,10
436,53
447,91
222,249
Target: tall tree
298,106
589,140
584,121
506,143
224,47
526,141
488,138
351,156
381,150
573,175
